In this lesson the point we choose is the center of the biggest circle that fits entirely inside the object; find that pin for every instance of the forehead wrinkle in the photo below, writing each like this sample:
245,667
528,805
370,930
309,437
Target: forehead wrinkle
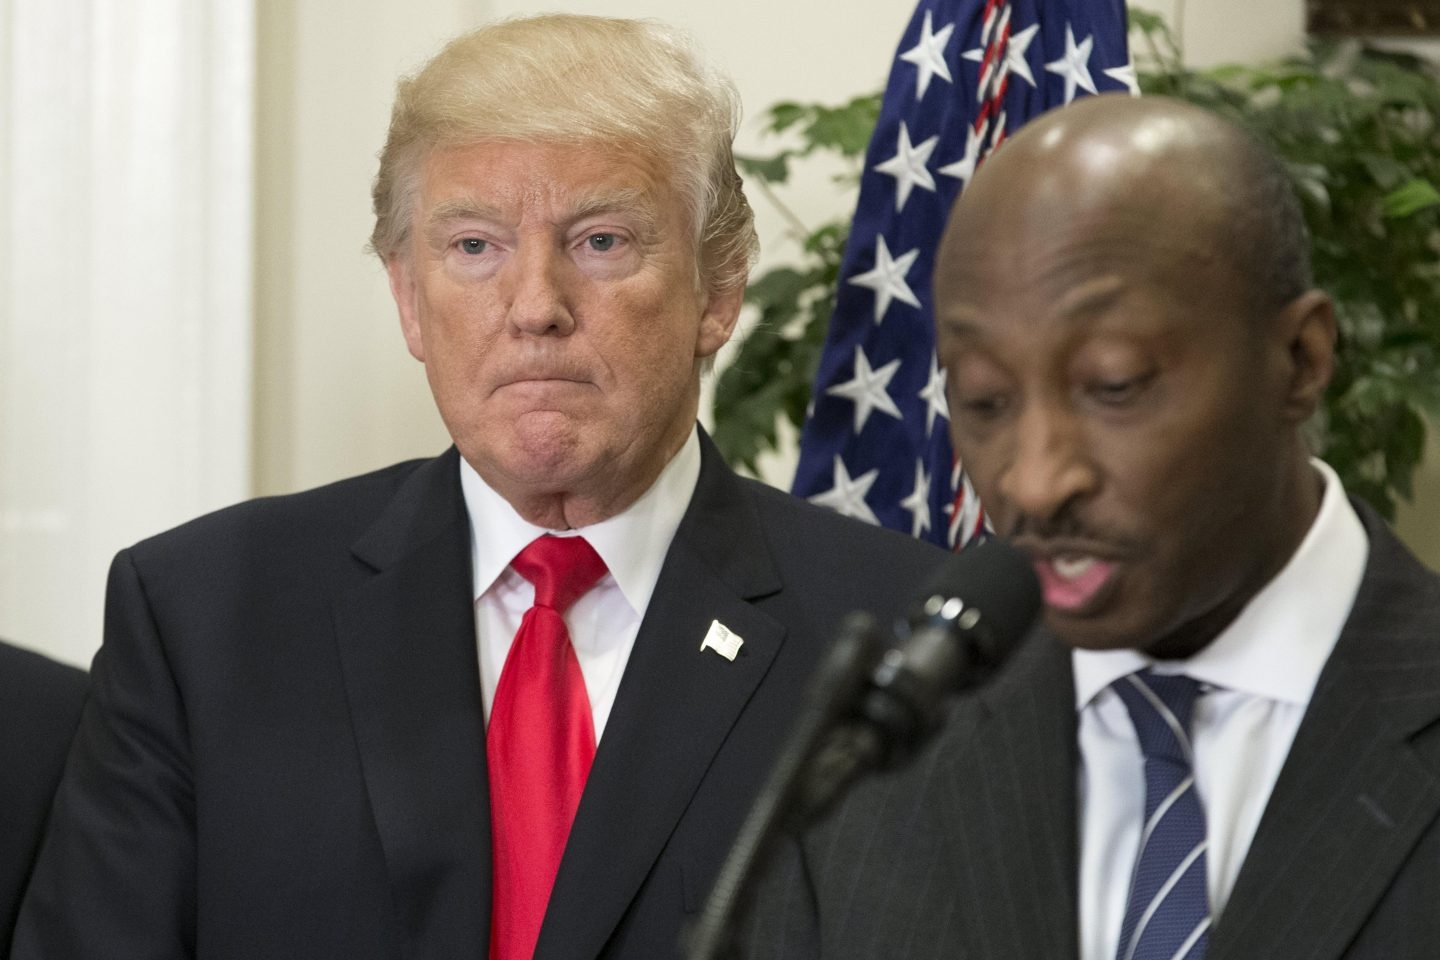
461,208
632,201
635,202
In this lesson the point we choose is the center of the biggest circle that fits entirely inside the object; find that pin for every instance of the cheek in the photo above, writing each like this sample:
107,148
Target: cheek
460,323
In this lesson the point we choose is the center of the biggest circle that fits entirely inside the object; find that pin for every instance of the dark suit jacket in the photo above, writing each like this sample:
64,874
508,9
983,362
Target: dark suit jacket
285,752
40,704
973,852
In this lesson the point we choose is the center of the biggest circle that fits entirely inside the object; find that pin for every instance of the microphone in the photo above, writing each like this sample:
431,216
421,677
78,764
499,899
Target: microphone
970,617
966,622
873,700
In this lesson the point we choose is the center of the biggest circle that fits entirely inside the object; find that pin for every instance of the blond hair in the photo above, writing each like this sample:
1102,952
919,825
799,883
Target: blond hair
633,84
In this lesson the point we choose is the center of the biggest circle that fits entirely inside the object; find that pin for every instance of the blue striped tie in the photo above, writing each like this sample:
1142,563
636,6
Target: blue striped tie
1168,915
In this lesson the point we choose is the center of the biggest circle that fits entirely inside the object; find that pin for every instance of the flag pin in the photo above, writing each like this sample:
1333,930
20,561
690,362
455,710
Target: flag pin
722,640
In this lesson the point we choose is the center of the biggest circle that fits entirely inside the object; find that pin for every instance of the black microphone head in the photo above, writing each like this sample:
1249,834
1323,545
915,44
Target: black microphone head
990,592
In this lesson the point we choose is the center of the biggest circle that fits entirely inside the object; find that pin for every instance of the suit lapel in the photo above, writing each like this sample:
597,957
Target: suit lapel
1013,796
1354,794
674,708
407,650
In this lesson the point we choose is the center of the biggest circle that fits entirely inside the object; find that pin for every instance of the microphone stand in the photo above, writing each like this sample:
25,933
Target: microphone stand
869,705
798,787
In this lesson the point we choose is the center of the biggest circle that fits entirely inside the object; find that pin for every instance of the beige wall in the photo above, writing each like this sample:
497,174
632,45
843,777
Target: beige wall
335,391
1208,28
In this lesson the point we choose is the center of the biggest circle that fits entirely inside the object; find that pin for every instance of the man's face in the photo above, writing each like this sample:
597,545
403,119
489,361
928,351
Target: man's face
551,291
1120,417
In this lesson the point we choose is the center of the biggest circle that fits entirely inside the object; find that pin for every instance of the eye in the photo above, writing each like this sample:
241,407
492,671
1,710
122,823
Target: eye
1119,392
602,242
473,245
984,406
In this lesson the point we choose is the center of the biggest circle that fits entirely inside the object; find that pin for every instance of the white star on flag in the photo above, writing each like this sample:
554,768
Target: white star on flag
847,496
868,389
1014,53
964,76
964,168
1075,65
1126,75
908,166
887,278
928,55
934,396
918,502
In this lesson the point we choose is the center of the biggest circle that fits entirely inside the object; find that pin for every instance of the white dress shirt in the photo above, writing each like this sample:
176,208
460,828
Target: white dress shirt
1257,677
603,623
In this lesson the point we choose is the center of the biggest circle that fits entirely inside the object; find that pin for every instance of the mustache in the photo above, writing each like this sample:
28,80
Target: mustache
1065,524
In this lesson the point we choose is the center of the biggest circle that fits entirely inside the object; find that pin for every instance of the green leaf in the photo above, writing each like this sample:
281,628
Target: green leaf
774,169
1146,22
1385,170
845,130
785,115
781,285
1410,198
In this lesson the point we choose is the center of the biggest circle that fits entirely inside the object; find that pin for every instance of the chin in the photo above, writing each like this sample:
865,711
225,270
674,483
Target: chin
1088,633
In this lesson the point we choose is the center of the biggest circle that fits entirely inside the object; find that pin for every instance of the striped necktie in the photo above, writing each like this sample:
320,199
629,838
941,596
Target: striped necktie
1168,913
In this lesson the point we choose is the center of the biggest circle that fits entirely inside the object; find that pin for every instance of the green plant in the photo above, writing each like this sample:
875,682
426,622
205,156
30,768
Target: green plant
1357,128
771,374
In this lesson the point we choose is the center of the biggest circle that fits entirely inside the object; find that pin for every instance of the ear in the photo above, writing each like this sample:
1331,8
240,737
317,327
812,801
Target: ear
1308,325
402,288
717,320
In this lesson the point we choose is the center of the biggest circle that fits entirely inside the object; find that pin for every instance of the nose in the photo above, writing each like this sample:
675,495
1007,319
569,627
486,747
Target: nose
1051,464
539,303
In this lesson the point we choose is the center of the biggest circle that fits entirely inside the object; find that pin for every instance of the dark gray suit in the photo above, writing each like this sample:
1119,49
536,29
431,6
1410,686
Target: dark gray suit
973,852
285,753
40,704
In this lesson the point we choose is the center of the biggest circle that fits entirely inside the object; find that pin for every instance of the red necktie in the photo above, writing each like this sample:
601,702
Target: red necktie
540,744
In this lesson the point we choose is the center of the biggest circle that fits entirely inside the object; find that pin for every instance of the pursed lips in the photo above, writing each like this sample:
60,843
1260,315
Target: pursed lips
542,379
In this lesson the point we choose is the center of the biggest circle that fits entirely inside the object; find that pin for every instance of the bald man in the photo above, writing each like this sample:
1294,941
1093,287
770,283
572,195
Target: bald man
1224,739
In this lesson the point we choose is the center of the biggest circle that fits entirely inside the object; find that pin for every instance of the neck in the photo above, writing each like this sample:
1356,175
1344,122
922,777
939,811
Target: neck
1295,506
606,492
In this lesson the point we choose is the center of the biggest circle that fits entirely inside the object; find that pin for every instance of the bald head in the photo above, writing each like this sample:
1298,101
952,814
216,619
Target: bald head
1131,348
1188,181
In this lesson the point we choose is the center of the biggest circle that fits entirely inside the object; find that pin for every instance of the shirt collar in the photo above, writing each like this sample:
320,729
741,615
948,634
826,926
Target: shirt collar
1279,643
633,543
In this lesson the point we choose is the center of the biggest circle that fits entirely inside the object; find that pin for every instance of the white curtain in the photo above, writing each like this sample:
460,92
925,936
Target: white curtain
125,290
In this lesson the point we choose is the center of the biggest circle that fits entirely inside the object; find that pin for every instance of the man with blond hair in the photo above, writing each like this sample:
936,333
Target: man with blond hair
514,700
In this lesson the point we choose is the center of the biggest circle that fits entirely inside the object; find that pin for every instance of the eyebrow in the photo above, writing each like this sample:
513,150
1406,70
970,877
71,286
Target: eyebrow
460,209
1088,298
632,201
1091,295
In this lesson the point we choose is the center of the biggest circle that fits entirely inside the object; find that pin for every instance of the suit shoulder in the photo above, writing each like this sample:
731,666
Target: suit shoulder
335,512
39,696
840,563
1396,583
821,526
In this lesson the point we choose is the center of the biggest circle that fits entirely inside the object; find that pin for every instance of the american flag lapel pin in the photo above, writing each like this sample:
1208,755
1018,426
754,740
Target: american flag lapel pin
722,640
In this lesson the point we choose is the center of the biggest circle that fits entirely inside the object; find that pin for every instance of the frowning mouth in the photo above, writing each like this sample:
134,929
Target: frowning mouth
543,380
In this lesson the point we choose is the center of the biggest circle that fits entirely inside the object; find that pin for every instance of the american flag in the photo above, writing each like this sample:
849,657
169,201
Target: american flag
967,74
